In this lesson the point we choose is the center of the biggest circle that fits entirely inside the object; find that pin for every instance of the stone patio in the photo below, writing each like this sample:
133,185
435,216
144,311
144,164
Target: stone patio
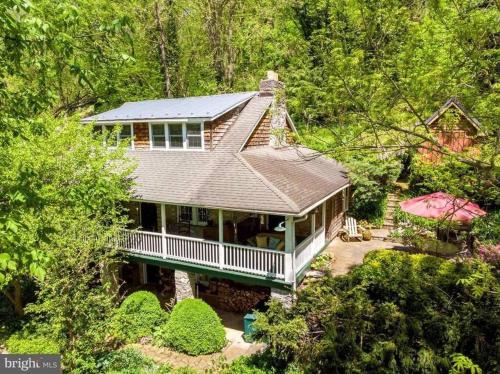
349,254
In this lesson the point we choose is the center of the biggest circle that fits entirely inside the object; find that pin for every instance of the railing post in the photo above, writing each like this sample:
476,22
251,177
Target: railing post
290,250
163,231
221,239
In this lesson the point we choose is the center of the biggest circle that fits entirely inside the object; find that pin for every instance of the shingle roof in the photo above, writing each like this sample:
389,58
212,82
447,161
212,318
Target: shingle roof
302,175
203,107
284,181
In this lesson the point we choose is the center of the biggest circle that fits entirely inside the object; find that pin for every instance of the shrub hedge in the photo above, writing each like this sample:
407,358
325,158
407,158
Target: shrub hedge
193,328
21,344
139,315
126,361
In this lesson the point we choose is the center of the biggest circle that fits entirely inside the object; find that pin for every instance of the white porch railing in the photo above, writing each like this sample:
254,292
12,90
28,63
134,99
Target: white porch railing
250,260
309,248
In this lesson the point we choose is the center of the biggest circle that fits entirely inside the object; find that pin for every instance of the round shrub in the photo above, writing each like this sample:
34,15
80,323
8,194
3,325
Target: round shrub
139,315
22,344
125,361
193,328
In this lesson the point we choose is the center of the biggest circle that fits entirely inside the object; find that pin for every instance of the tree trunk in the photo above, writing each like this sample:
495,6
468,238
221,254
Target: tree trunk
16,298
162,45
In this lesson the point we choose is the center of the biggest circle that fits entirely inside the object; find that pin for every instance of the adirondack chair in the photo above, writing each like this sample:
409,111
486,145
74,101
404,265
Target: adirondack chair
351,230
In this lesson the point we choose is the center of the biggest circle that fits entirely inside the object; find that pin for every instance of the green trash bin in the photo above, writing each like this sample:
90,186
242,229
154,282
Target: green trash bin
248,327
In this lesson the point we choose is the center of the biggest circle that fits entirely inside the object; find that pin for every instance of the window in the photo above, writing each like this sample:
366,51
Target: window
124,134
175,135
193,135
185,214
158,136
345,199
196,216
203,215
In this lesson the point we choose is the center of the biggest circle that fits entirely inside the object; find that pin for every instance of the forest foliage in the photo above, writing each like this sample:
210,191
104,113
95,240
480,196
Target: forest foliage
360,78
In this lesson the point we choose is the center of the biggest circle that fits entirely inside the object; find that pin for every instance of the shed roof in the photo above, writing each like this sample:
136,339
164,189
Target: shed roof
199,107
454,102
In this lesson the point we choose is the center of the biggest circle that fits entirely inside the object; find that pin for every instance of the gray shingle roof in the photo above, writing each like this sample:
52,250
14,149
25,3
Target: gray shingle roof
302,175
283,181
203,107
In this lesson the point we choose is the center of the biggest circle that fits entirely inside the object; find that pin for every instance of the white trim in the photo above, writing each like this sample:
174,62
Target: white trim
322,200
233,107
132,138
288,117
274,213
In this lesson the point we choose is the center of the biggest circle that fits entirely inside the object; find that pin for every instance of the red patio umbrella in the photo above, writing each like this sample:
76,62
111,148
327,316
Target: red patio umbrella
441,205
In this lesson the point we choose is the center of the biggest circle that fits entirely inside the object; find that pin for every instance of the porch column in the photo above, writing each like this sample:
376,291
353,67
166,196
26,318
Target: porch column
313,221
143,271
163,231
323,215
221,239
184,285
290,250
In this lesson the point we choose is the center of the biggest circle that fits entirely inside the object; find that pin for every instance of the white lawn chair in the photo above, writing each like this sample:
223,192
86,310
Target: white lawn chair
351,230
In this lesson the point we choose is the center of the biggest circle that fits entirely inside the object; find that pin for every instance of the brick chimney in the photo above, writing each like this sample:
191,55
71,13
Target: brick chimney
273,87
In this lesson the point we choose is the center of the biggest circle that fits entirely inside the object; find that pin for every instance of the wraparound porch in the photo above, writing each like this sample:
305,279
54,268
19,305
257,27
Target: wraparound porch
228,257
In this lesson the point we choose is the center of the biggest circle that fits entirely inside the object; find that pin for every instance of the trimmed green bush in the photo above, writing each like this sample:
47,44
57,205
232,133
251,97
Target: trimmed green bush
139,315
126,361
193,328
21,344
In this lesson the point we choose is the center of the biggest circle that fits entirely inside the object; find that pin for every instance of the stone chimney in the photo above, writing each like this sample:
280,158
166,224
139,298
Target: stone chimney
273,87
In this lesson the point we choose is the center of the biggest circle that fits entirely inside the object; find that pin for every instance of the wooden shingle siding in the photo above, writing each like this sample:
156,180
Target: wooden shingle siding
141,135
214,131
334,216
260,136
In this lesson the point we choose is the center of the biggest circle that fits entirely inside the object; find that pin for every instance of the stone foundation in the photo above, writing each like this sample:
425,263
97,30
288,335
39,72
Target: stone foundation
284,297
184,285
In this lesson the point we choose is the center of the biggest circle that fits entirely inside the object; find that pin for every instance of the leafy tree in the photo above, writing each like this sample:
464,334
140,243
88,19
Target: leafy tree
59,171
394,313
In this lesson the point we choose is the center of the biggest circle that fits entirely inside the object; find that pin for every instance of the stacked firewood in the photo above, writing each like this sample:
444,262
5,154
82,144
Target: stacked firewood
236,297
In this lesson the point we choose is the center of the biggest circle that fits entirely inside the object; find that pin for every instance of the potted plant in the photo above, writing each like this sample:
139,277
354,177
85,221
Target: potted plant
366,232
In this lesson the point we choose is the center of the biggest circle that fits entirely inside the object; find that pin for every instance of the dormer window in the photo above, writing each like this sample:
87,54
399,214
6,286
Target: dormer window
126,132
176,135
193,135
158,138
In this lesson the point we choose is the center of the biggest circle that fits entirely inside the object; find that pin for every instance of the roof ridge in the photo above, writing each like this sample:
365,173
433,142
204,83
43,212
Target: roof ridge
268,184
255,107
191,97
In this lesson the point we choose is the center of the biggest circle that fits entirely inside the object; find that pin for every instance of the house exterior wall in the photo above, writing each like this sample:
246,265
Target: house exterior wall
334,215
262,132
457,138
215,130
141,135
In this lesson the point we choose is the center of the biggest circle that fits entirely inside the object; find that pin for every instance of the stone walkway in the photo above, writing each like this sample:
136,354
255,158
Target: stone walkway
235,348
350,254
